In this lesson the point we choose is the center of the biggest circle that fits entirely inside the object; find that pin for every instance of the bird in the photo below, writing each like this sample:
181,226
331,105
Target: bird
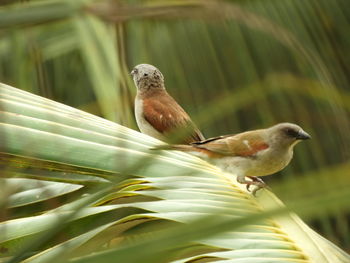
157,113
249,154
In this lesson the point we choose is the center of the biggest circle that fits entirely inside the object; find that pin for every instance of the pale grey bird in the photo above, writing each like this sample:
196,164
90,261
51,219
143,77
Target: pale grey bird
249,154
157,113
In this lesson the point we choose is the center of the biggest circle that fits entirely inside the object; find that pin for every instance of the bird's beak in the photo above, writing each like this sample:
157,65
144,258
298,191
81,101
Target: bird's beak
303,136
132,72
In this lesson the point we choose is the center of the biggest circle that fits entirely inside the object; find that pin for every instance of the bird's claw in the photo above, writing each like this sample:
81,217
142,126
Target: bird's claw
248,186
259,183
257,189
256,179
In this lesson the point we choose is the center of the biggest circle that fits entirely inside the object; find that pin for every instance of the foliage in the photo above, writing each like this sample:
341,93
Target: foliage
234,65
151,215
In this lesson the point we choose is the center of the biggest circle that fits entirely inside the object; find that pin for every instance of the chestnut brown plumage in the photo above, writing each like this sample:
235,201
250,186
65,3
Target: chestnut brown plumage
157,113
249,154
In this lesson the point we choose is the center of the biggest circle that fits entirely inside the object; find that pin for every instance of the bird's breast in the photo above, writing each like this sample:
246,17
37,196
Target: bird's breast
144,126
265,163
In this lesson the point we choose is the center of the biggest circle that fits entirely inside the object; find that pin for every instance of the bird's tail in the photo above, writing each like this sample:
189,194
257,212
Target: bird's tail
176,147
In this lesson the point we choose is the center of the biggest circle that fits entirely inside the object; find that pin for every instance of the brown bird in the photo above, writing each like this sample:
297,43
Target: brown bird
157,113
249,154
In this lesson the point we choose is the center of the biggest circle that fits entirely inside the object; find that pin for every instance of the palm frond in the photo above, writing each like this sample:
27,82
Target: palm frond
196,202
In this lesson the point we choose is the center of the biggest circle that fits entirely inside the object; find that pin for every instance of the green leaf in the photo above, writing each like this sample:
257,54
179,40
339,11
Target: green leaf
209,208
37,12
55,253
101,60
40,192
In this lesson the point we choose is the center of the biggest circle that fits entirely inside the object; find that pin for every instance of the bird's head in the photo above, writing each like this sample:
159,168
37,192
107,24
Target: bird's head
146,76
287,134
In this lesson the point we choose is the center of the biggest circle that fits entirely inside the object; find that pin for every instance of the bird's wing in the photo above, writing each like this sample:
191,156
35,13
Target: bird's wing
166,116
211,139
245,144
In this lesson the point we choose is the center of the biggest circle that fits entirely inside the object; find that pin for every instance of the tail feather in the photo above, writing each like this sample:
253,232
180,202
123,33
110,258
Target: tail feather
176,147
192,149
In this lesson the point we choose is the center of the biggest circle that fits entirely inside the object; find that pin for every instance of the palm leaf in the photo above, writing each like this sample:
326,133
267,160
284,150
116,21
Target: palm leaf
149,206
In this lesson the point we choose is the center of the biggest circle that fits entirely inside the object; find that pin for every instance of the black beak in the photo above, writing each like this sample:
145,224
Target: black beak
303,136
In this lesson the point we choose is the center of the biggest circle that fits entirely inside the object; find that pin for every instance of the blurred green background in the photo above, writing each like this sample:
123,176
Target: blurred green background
233,65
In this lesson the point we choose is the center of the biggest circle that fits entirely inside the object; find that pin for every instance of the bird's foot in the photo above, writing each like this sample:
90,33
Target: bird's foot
258,182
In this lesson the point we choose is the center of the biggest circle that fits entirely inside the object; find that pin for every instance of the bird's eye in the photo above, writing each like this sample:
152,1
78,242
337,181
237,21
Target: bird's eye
291,132
145,74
